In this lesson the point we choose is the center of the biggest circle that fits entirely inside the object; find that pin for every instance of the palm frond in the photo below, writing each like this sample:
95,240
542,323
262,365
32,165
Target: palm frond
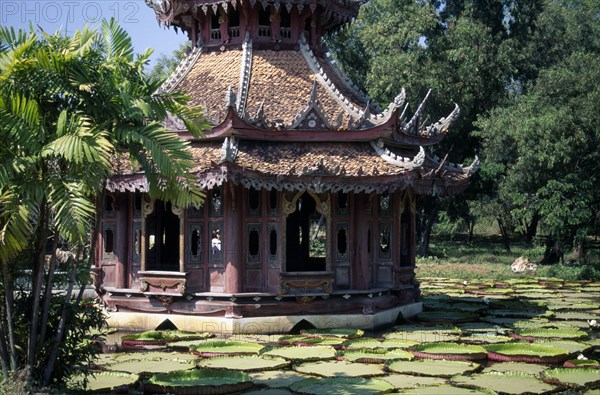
16,219
73,210
115,40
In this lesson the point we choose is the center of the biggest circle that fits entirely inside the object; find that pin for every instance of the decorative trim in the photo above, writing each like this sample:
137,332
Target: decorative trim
181,71
229,150
397,160
322,77
442,164
313,117
414,128
245,74
350,85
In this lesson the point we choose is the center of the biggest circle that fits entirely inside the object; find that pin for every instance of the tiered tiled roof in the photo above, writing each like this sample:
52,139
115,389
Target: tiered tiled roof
324,166
285,117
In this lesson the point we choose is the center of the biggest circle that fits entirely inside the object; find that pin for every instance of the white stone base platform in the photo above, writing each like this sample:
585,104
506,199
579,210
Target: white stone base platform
133,321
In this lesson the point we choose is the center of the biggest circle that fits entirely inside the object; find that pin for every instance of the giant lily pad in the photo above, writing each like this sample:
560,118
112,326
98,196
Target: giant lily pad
276,378
421,334
340,369
223,347
148,338
446,317
443,389
102,382
400,381
525,352
305,340
341,386
449,351
346,333
247,363
581,363
147,363
570,345
375,355
519,382
522,367
549,333
296,353
438,368
577,377
198,382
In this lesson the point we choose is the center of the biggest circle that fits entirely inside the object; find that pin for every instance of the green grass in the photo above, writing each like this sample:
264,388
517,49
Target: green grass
486,258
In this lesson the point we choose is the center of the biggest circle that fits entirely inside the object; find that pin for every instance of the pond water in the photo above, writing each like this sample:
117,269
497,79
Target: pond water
525,336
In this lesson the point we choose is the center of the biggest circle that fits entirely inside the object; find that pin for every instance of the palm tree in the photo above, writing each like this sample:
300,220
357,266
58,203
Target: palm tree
69,107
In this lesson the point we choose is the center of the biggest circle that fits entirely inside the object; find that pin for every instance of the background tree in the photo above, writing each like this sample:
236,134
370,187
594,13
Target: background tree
165,64
462,50
542,144
71,110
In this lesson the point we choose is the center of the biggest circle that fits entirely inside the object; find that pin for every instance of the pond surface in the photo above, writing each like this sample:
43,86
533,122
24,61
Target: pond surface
524,336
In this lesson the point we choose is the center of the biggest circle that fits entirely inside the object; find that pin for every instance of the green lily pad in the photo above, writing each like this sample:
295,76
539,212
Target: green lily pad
379,355
442,317
296,353
363,342
424,334
304,340
247,363
346,333
463,307
440,368
276,378
102,381
577,377
397,343
269,391
339,369
575,315
485,338
198,382
522,367
401,381
224,347
445,389
519,382
150,365
579,363
526,352
341,386
549,333
520,314
570,345
449,351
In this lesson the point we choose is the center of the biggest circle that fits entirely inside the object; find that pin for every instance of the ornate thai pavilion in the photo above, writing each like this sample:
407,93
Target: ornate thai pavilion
311,188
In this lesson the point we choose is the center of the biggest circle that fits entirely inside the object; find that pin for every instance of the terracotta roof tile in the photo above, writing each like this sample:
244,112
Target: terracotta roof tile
208,80
283,80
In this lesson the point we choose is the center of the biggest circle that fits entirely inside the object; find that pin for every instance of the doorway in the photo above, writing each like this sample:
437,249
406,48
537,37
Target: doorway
306,237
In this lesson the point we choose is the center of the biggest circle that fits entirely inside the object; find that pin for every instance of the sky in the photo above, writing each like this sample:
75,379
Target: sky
69,15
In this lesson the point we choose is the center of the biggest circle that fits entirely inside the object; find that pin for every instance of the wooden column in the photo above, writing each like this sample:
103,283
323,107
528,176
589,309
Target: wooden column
360,255
120,238
232,239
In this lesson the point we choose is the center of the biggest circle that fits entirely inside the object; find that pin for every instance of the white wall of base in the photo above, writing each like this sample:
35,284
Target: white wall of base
277,324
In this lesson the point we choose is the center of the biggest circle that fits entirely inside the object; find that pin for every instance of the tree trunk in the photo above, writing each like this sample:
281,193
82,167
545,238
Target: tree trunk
471,225
426,227
10,317
36,289
49,288
580,250
3,354
531,228
504,234
63,321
